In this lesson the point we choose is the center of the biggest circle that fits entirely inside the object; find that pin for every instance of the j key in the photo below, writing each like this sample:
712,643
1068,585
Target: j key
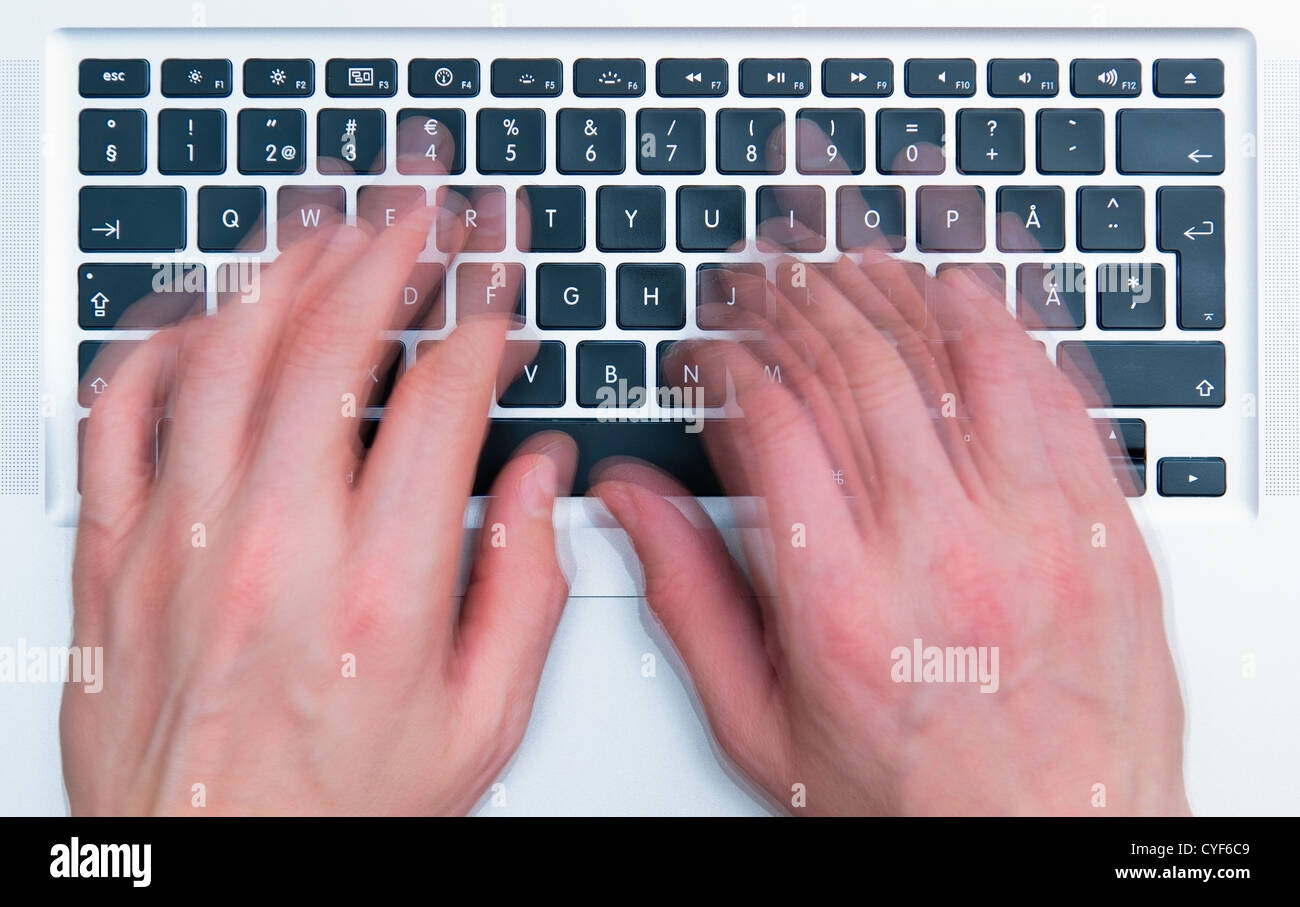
630,218
858,78
1071,141
687,380
232,218
1051,297
540,380
1031,219
1023,78
196,78
710,218
940,78
527,78
1106,78
670,141
590,141
871,216
384,206
304,210
775,78
511,141
551,218
1192,476
624,78
751,141
1170,141
380,375
111,141
350,141
991,141
123,296
1131,297
830,141
97,362
361,78
132,219
612,373
484,288
191,141
1142,373
706,78
652,296
791,218
431,141
909,141
279,78
950,218
1189,78
272,141
1190,223
570,296
113,78
474,216
1112,219
443,78
723,292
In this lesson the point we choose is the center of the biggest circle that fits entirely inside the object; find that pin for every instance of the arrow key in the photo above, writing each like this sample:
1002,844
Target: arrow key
1202,477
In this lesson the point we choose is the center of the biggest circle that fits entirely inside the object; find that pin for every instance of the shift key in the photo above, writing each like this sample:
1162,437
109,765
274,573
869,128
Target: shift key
132,219
1144,373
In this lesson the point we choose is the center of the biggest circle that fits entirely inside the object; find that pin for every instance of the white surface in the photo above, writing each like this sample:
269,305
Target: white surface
606,740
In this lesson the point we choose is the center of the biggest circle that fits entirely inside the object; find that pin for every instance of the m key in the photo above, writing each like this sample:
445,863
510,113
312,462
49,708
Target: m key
1190,223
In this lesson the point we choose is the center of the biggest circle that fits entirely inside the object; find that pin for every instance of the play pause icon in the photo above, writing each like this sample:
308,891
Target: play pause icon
777,77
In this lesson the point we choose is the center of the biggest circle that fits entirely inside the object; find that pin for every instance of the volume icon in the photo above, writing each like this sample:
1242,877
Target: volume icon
1109,77
1024,78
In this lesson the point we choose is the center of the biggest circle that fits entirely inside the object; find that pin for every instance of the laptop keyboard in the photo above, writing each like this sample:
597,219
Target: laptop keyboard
650,176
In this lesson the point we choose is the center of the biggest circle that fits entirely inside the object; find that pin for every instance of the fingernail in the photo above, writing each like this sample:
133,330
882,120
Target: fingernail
344,239
538,486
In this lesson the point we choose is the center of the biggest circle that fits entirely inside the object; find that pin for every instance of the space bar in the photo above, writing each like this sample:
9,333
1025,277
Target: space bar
667,445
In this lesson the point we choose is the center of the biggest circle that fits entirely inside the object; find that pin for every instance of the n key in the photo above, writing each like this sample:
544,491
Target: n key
132,219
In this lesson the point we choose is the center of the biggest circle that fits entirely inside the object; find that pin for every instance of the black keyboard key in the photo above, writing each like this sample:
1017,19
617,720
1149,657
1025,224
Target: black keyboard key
684,381
1145,373
557,218
590,141
1125,441
302,211
445,78
775,78
1189,221
570,296
1189,78
489,287
511,140
1170,141
910,141
279,78
871,216
373,78
1112,219
791,218
383,372
191,141
1031,219
479,213
990,141
710,218
124,296
630,218
1071,141
232,218
670,141
950,218
272,141
1131,297
1051,297
541,78
609,78
1038,78
611,373
751,141
384,206
196,78
830,141
1106,78
540,381
939,78
858,78
431,141
724,291
97,362
113,78
651,297
132,219
111,141
663,443
350,141
1201,477
692,78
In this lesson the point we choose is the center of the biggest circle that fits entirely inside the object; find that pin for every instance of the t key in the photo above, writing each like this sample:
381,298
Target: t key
1191,223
